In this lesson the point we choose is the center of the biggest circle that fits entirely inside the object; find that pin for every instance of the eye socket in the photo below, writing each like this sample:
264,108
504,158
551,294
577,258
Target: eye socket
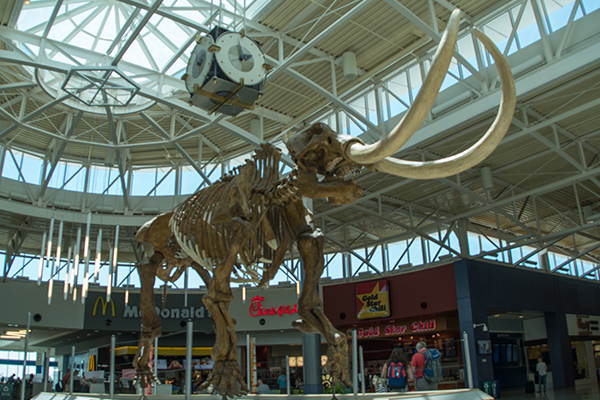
329,140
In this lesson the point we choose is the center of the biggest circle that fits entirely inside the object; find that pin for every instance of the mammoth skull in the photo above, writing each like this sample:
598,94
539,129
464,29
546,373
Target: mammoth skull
324,171
321,151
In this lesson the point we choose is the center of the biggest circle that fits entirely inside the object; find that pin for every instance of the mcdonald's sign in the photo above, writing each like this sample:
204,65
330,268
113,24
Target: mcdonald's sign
100,300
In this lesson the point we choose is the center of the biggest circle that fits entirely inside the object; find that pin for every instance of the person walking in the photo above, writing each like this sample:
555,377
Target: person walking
418,364
397,371
542,370
282,383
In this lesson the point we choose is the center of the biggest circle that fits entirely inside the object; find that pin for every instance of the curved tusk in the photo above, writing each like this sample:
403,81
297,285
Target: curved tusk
368,154
480,150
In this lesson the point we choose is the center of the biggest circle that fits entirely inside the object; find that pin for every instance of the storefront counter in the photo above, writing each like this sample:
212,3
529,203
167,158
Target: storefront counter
445,385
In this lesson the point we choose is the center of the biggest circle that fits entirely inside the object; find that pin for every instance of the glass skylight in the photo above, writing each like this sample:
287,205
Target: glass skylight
148,46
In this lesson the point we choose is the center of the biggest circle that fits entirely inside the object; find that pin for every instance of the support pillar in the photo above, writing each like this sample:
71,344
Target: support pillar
469,313
311,354
559,347
188,359
463,238
544,261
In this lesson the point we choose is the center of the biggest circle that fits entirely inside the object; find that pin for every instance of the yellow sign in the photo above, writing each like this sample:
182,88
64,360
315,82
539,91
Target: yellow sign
104,304
372,300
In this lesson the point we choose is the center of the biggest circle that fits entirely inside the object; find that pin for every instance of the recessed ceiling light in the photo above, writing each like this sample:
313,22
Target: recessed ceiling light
497,315
520,316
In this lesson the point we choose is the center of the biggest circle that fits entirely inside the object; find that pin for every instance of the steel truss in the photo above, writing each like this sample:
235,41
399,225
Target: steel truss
516,219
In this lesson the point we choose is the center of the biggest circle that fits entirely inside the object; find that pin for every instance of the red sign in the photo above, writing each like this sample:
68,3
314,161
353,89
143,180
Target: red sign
393,330
423,326
257,309
372,300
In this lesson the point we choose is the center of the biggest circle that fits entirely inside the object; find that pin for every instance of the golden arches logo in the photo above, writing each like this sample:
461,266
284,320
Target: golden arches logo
104,304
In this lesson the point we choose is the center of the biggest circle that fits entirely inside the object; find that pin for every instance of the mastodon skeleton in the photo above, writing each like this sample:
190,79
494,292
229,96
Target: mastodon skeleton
253,217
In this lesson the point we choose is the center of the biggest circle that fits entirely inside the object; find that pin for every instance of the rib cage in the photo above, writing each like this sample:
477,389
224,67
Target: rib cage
253,193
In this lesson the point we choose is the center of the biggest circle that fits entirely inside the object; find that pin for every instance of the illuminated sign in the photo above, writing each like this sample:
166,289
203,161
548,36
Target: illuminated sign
372,300
423,326
394,330
171,313
104,304
257,309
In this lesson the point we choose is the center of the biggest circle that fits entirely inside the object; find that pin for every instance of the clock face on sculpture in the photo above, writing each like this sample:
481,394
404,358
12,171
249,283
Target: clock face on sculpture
240,58
199,63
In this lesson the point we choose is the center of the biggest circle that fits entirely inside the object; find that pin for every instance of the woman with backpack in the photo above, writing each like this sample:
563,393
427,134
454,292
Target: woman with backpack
397,371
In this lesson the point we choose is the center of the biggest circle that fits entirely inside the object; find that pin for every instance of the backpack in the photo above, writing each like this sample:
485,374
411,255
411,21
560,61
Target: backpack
433,371
396,375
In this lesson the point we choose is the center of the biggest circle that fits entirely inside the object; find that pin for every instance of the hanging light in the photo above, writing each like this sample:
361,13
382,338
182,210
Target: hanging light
86,255
41,266
244,294
113,265
48,247
98,255
298,288
66,286
54,262
75,270
127,291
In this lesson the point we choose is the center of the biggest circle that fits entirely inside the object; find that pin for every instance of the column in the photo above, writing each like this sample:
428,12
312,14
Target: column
469,313
559,347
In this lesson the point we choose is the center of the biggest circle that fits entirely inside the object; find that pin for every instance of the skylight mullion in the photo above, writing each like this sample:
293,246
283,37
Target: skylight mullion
66,54
162,37
123,29
515,28
117,19
70,14
50,21
79,28
147,53
101,28
567,29
179,54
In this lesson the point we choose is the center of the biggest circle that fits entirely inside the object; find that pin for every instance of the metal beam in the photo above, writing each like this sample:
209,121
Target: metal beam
433,34
57,155
133,35
15,243
177,146
320,37
119,155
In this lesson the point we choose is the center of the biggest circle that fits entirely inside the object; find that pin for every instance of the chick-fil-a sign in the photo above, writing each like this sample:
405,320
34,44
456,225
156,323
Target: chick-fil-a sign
257,309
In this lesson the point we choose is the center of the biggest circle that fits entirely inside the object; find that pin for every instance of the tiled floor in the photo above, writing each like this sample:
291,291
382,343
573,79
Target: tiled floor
581,393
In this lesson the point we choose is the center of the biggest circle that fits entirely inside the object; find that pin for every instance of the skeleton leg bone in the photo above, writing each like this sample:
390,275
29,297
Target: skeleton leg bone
151,327
226,376
310,308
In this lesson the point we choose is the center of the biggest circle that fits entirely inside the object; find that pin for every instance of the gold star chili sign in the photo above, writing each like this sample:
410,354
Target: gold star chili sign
372,300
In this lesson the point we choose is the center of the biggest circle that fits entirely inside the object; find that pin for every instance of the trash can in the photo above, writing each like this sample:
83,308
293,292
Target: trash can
487,388
492,388
6,391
